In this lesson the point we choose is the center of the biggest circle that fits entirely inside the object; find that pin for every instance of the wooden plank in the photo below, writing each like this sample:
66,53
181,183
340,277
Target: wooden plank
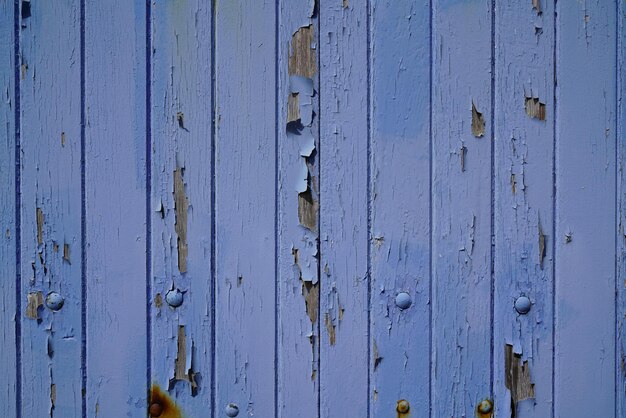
523,217
585,209
400,184
181,203
298,262
51,208
620,355
344,288
461,206
8,229
245,181
116,242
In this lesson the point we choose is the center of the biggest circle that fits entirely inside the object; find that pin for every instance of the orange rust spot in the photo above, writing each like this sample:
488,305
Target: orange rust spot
161,405
484,409
403,408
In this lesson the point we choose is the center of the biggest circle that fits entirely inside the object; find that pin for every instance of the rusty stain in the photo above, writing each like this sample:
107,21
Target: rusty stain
535,109
181,205
311,294
34,302
307,210
66,253
517,377
168,407
158,300
402,408
484,409
330,327
40,220
302,59
542,245
478,122
62,139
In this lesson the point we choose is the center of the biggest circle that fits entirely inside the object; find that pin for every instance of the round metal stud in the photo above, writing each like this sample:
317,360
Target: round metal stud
485,406
522,305
232,410
174,298
155,409
403,300
54,301
403,406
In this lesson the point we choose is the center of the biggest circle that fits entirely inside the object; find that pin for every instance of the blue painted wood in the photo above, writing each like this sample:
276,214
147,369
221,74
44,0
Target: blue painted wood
116,242
298,235
245,199
461,206
620,314
344,281
523,210
8,231
50,208
181,203
585,209
400,201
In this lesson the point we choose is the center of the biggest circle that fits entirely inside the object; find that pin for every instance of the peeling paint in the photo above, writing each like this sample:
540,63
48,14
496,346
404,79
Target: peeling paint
307,210
462,153
311,294
34,303
183,365
62,139
535,109
181,206
517,377
478,122
66,253
330,327
542,244
303,59
40,221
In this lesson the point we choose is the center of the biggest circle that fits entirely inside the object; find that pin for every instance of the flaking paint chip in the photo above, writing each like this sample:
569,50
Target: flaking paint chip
478,122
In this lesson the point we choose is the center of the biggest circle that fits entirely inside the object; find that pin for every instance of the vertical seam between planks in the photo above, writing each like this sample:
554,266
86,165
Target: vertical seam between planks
212,279
277,280
319,212
18,219
83,217
618,206
368,31
554,204
430,215
148,196
493,203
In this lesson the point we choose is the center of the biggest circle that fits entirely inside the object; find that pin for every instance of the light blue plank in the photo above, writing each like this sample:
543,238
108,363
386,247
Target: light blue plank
115,136
400,183
524,141
245,199
461,206
181,202
620,355
344,279
585,208
298,262
51,208
8,232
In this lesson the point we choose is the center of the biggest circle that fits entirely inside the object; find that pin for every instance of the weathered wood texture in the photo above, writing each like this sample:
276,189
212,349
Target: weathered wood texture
181,205
115,208
400,205
10,316
523,209
229,197
50,208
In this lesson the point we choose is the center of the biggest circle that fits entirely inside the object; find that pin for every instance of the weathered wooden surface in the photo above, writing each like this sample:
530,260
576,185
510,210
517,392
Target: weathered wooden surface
229,197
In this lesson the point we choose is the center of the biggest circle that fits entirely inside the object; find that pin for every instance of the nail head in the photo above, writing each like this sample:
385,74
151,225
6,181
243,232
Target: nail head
403,406
485,406
54,301
403,300
232,410
156,409
522,305
174,298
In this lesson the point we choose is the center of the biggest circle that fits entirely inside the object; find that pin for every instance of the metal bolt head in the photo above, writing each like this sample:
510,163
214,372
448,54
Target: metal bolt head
403,406
174,298
403,300
232,410
155,409
54,301
485,406
522,305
